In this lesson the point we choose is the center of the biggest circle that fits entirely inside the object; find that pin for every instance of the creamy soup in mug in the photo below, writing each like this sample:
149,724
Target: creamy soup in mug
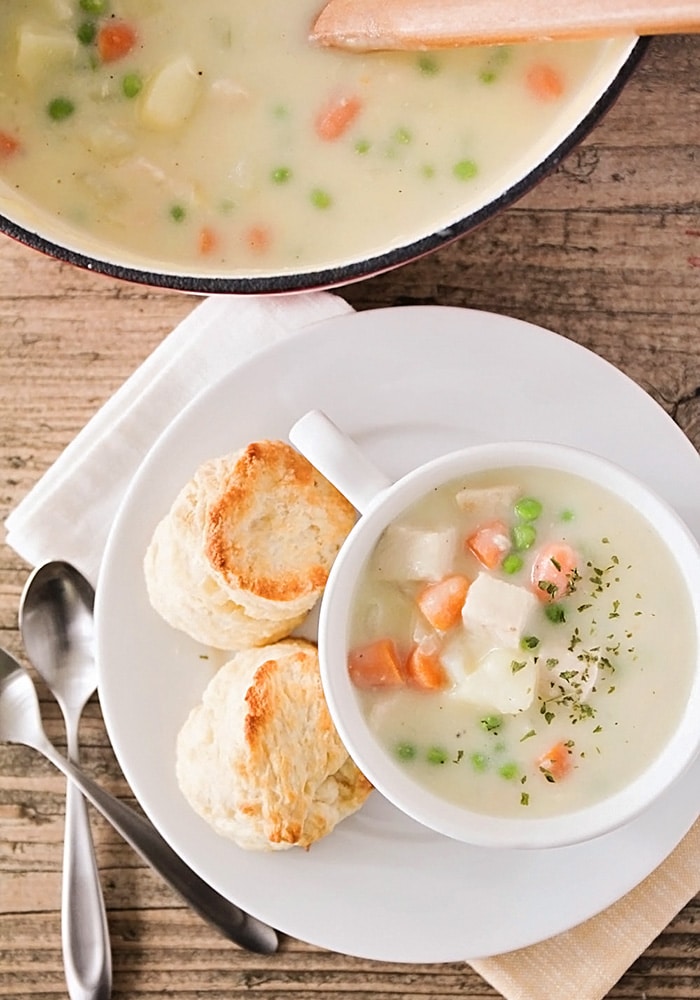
215,137
522,642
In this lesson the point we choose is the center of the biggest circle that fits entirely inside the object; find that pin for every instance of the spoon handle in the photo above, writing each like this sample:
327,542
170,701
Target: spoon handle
229,919
416,24
87,957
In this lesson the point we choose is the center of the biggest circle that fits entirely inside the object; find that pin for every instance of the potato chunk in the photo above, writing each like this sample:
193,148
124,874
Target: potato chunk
504,680
171,95
40,51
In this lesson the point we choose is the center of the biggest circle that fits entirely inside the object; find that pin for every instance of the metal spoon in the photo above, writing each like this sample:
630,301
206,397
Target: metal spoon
56,623
20,722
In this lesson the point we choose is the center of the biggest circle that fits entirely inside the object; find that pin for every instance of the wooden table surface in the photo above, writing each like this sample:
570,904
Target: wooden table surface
605,251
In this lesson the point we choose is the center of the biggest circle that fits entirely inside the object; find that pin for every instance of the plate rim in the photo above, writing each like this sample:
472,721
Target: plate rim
317,332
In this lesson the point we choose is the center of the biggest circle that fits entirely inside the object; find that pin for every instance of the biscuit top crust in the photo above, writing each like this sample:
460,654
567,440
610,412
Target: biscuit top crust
276,524
291,744
260,759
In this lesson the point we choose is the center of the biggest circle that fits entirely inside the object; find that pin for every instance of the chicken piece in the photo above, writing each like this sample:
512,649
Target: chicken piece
488,501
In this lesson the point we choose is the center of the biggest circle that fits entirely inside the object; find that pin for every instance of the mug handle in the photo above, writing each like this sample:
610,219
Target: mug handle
338,458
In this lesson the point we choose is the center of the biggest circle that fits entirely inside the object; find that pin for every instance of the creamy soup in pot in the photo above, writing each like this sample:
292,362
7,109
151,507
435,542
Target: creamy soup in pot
214,137
522,642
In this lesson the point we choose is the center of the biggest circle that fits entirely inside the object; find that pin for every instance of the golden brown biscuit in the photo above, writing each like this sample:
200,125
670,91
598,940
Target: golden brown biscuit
274,529
259,758
245,550
183,591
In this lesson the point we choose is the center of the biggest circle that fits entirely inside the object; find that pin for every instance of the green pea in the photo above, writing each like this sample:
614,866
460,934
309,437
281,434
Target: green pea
491,723
555,613
321,199
508,771
60,108
436,755
428,64
94,6
406,751
132,84
402,136
86,32
363,146
523,536
280,175
512,563
465,170
479,761
528,508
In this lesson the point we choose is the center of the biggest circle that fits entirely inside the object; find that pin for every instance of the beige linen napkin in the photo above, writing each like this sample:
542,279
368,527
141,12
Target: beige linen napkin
67,516
586,962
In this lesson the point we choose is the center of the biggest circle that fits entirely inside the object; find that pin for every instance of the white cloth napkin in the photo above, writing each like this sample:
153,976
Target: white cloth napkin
67,516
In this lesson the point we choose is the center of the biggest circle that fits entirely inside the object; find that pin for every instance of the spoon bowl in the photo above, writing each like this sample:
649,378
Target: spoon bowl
56,621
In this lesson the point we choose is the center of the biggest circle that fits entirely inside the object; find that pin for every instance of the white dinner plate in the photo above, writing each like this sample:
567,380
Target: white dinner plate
408,384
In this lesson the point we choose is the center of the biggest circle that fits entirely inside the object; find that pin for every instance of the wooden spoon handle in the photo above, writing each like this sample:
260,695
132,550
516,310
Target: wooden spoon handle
422,24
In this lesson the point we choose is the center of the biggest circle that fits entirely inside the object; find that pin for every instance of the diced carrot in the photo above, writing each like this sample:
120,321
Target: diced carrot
258,239
9,145
376,665
208,240
544,82
441,602
423,668
336,117
554,571
556,762
489,543
115,39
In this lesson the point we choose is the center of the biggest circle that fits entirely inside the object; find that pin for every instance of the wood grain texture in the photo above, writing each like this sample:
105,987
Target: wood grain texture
606,251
